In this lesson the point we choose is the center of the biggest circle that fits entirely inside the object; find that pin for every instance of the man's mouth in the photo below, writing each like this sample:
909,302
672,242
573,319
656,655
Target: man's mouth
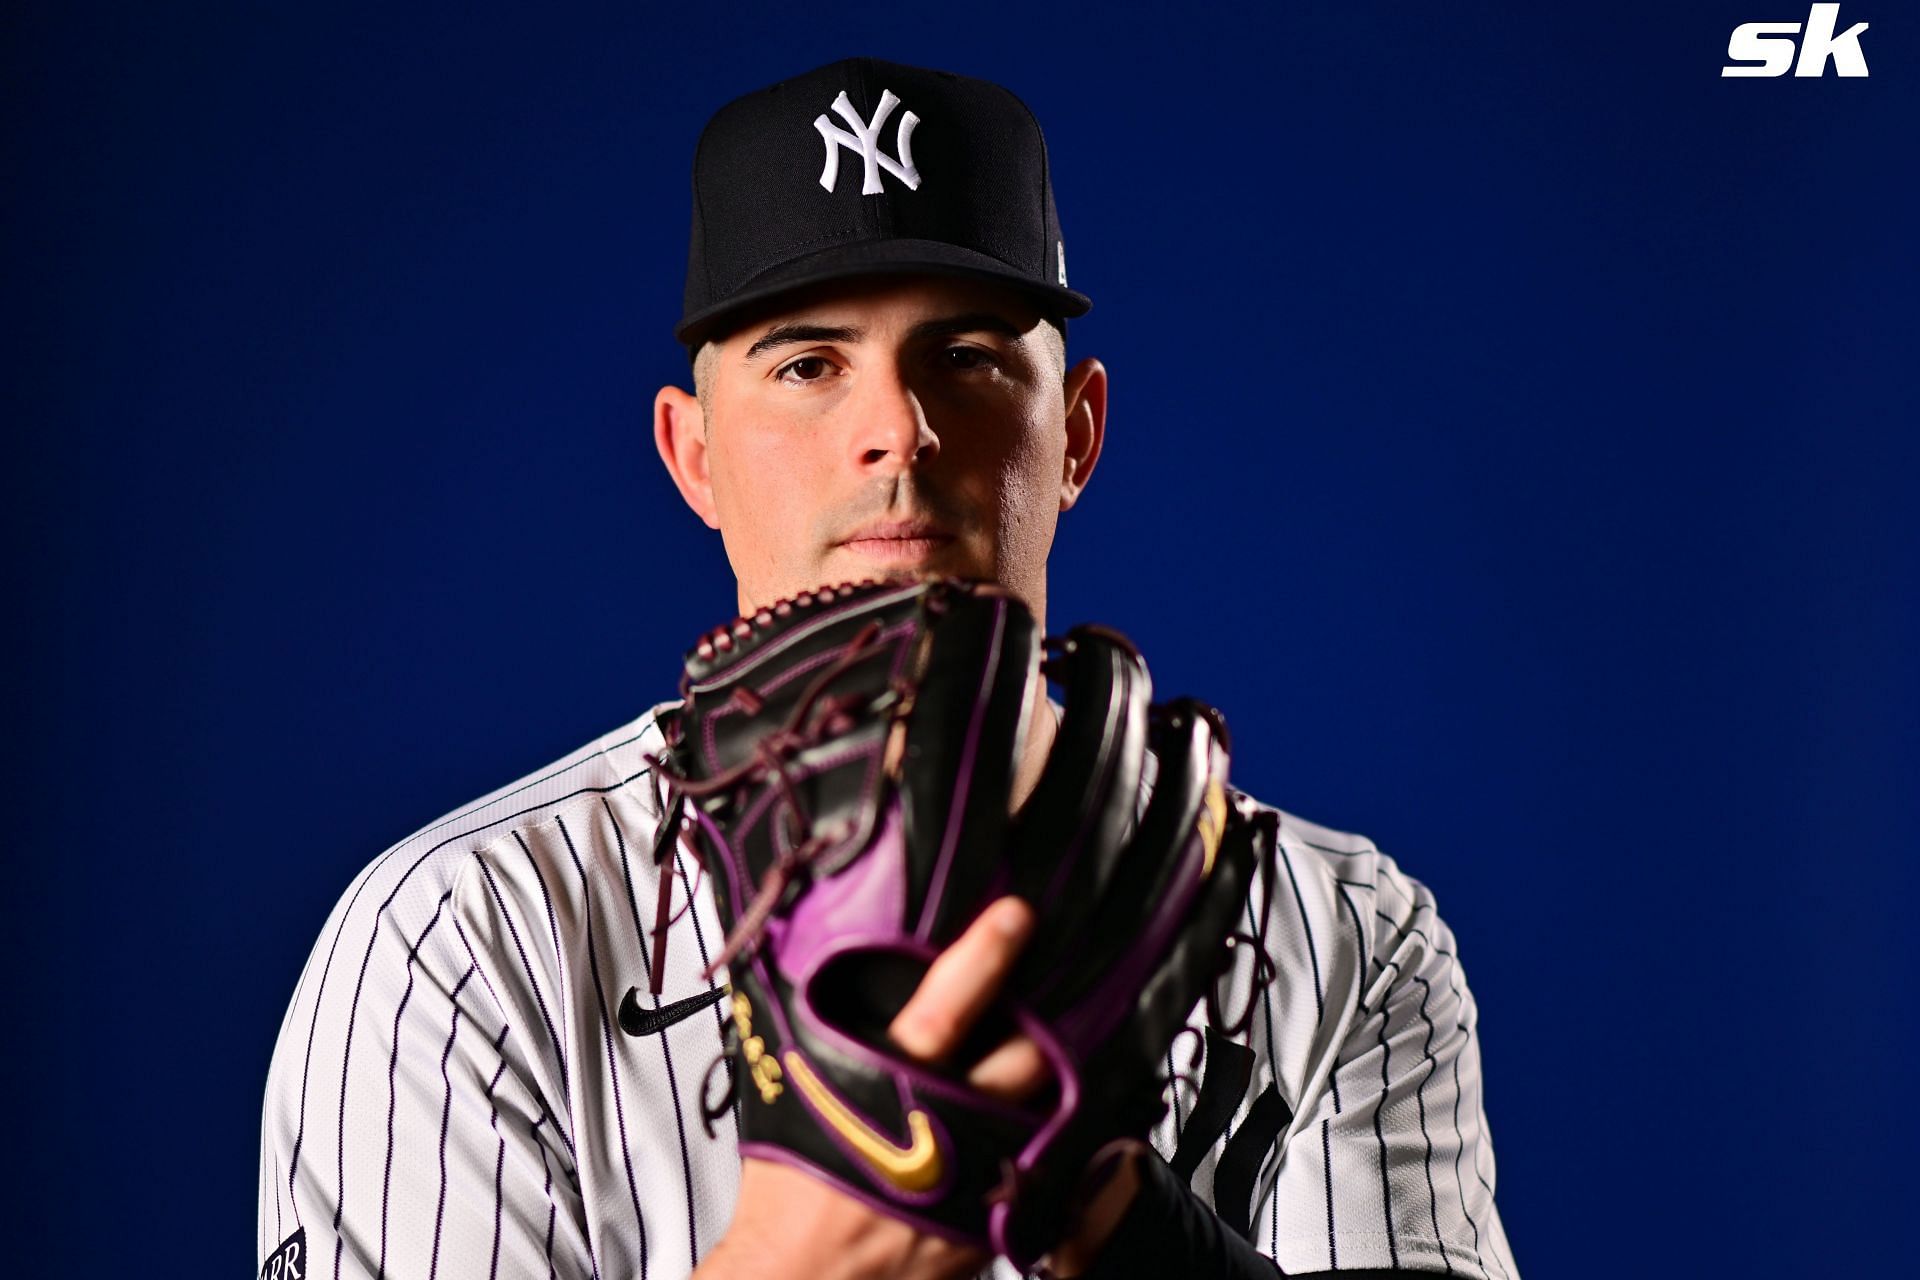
897,542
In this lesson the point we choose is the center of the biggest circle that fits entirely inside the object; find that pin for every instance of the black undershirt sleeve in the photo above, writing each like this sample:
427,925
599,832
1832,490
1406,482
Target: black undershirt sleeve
1168,1231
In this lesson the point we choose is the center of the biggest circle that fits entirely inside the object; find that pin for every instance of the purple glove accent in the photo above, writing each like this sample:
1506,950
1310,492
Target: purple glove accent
866,900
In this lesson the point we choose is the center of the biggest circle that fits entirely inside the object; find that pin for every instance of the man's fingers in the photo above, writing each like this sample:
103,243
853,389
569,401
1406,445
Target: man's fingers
962,982
1013,1072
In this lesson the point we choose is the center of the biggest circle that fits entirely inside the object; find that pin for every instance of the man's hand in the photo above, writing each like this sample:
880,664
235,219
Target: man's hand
789,1223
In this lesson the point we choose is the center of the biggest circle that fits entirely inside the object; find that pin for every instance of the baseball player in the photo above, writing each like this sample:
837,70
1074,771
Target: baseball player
494,1064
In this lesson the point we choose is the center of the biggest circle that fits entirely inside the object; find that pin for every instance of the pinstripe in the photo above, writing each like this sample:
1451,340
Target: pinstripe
1402,931
1266,991
606,1036
1481,1176
473,959
393,1094
1417,932
1273,1227
1333,1076
719,1017
558,1128
1361,939
1409,927
571,1170
1460,997
1369,851
552,1208
553,931
1386,1183
1477,1148
1420,1101
666,1050
1173,1087
1453,984
446,1113
1266,1011
1458,1150
533,984
500,1159
1501,1251
1326,1155
1313,950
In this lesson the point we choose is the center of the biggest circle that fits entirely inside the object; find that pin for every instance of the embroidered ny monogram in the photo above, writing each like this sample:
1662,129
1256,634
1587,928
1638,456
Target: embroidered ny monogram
864,140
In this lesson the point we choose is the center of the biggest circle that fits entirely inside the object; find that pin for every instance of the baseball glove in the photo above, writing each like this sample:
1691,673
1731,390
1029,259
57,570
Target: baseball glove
842,763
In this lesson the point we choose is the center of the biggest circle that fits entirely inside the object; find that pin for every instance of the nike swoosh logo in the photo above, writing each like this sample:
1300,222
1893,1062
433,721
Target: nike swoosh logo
636,1021
912,1168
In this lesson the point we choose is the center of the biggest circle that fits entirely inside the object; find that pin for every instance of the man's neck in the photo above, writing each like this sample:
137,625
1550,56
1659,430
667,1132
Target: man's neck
1041,727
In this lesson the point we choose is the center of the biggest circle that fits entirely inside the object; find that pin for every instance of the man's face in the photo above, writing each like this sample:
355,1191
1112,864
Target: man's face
887,428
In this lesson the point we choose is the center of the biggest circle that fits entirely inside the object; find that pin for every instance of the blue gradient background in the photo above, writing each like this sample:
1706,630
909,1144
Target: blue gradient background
1513,429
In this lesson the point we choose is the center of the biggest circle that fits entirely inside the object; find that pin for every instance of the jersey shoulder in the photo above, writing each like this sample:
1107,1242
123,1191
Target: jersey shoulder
404,887
610,763
614,760
403,892
1352,879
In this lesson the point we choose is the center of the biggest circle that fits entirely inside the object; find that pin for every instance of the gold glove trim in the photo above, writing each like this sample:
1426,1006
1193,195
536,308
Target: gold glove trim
766,1072
1213,825
916,1167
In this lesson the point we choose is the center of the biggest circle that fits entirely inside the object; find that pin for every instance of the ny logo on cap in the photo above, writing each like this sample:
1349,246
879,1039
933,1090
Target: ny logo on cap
865,140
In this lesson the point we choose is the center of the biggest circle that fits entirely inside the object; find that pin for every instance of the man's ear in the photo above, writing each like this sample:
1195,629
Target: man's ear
1086,397
680,434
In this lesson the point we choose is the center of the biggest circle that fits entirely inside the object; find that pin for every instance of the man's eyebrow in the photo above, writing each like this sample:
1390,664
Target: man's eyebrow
971,322
786,335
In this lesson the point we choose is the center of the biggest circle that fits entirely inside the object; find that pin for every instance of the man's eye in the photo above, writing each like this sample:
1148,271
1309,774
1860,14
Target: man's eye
805,369
967,358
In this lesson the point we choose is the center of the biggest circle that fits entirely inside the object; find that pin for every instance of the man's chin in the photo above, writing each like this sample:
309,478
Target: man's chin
948,561
906,575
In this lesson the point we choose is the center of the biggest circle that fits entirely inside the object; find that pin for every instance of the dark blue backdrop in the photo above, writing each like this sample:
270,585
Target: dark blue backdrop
1513,429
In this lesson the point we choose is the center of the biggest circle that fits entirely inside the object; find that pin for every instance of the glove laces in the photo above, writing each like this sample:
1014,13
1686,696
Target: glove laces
815,718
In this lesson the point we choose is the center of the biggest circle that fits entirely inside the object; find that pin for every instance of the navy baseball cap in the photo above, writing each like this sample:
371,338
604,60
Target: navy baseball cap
865,167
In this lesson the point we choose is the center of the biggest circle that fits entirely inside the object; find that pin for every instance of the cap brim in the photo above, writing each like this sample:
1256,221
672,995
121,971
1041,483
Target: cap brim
875,257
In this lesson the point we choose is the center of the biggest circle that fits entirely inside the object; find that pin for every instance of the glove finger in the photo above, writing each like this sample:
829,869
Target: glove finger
1139,904
1072,829
1127,1020
957,771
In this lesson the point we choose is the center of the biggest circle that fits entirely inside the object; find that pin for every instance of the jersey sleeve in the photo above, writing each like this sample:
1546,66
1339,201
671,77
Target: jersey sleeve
456,1091
413,1135
1386,1161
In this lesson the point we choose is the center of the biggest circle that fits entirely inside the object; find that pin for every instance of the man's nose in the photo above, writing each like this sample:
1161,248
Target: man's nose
891,430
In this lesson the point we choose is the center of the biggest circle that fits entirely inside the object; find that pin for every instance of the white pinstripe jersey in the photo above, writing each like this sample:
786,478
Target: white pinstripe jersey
452,1095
